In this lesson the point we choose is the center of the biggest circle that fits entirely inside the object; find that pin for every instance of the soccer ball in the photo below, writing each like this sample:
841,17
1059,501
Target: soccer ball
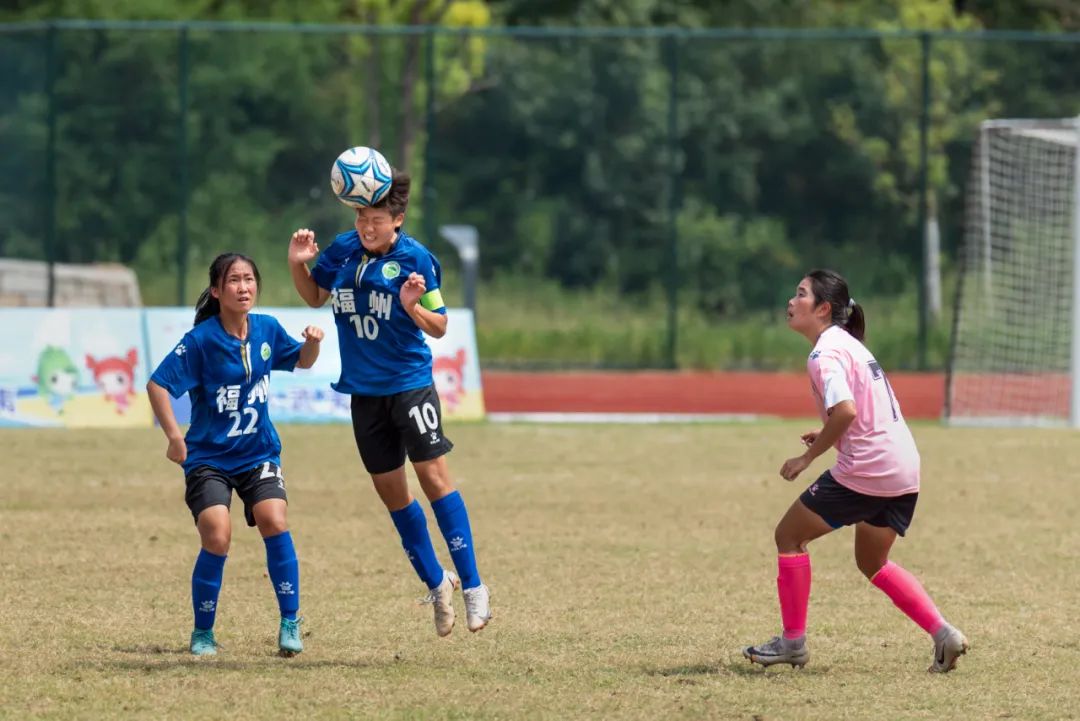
361,177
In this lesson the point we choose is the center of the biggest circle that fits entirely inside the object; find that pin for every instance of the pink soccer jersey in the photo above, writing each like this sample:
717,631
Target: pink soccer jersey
876,456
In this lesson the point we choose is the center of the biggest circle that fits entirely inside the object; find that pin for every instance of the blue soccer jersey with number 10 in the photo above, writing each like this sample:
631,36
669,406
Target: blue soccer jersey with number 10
228,381
382,350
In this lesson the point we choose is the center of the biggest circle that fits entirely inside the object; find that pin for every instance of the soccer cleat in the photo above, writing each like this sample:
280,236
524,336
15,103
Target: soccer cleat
950,647
477,607
203,643
441,598
288,639
777,651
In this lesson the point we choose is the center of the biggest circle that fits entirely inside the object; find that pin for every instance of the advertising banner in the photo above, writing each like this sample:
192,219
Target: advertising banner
305,396
73,368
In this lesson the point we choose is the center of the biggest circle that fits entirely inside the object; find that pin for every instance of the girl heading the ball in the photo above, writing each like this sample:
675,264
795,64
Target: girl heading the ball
384,290
874,484
224,365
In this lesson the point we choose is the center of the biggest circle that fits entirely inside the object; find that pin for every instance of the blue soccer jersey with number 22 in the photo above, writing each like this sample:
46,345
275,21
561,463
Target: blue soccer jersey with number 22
228,381
382,350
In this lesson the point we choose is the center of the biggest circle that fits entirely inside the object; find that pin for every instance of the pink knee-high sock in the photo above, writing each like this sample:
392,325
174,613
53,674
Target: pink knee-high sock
909,596
793,587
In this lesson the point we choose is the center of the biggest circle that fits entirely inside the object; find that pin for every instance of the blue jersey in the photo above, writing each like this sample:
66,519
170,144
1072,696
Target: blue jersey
382,350
228,381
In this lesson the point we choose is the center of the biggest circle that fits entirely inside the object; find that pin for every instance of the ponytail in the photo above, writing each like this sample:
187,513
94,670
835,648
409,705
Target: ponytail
206,307
830,287
855,324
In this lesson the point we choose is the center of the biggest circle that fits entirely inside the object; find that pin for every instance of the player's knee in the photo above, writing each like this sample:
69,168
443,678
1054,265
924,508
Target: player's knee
435,480
787,541
436,487
869,563
273,526
217,541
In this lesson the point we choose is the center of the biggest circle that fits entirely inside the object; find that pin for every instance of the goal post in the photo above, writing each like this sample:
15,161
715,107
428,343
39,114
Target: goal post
1016,327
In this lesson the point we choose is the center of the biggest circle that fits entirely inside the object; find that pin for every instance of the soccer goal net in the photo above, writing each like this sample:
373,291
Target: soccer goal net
1015,343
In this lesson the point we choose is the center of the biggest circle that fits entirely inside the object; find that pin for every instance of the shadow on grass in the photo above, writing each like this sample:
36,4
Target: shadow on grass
734,667
743,667
150,649
167,658
696,669
219,664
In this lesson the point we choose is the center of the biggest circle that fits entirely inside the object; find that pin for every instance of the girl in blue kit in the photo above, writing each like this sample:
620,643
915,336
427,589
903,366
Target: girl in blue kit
383,287
224,365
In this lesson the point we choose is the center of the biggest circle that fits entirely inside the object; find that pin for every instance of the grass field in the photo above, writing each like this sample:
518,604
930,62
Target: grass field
628,566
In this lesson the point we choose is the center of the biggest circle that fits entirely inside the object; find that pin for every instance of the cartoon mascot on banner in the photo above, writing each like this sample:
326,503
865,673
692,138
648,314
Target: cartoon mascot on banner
449,372
56,377
115,377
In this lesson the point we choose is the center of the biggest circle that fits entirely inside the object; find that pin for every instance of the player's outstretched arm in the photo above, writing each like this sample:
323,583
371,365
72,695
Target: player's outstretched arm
309,352
159,401
303,248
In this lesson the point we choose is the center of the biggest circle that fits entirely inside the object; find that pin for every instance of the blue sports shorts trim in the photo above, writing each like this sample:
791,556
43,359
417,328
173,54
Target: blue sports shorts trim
840,506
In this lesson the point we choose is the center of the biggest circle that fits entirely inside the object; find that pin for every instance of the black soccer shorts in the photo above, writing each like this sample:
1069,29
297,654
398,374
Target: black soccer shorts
387,428
841,506
207,486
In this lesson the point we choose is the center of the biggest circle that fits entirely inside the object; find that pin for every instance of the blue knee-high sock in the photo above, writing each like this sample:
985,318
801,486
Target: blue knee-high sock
412,527
284,573
454,523
205,587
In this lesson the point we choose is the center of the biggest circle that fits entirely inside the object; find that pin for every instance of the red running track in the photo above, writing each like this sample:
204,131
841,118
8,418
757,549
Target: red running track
786,395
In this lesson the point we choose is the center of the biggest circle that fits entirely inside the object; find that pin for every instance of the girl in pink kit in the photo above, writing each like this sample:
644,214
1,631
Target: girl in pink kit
873,486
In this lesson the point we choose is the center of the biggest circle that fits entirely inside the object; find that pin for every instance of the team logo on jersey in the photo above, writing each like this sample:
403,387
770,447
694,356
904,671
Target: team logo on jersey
391,270
815,354
265,351
180,349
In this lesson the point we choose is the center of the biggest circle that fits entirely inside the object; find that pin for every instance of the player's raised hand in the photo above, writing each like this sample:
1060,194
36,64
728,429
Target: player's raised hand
809,438
302,246
313,334
411,290
177,450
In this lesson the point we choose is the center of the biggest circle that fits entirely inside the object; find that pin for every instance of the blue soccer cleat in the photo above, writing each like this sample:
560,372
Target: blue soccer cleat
203,643
289,637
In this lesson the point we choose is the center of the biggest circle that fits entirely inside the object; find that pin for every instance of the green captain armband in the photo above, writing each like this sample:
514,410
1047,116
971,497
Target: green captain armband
432,300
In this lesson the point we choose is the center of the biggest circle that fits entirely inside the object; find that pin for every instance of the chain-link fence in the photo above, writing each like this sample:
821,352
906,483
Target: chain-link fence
631,188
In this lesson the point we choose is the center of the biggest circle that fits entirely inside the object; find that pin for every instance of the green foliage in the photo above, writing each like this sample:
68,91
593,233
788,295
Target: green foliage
956,76
711,170
731,265
525,323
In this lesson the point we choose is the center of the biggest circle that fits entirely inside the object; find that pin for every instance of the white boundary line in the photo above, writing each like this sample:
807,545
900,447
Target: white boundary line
642,418
1006,422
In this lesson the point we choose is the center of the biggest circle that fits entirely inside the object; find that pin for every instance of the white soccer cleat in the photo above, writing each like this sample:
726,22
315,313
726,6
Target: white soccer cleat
948,649
441,598
778,650
477,607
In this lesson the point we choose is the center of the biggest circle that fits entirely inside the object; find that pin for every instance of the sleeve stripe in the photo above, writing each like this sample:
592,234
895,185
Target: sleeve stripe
432,300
